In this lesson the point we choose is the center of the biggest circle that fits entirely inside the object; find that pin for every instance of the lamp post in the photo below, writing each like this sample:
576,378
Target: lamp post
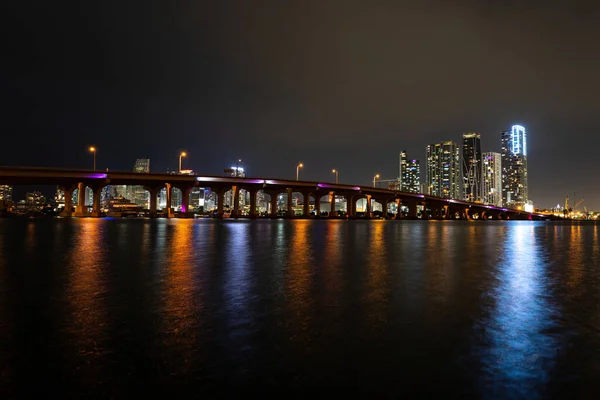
336,172
182,154
375,179
298,170
93,150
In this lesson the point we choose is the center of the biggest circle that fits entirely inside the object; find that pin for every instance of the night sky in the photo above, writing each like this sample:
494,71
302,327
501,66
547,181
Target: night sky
335,84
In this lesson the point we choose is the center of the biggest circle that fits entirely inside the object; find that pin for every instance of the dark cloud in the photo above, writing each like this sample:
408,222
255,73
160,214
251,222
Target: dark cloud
335,84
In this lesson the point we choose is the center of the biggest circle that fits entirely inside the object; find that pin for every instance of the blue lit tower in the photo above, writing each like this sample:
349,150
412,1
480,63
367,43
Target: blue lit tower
514,167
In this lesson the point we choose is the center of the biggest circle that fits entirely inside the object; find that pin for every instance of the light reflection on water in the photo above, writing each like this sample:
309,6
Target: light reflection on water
298,299
522,348
377,296
87,315
499,309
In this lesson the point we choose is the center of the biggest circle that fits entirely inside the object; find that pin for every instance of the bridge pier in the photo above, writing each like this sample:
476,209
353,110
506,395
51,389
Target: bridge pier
350,206
306,205
368,212
168,211
273,202
80,208
290,203
253,193
398,210
96,207
412,209
153,200
185,202
318,204
384,208
68,210
235,213
332,212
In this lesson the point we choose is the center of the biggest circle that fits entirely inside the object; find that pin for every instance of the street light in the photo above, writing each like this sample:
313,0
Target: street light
182,154
298,169
374,179
336,172
93,150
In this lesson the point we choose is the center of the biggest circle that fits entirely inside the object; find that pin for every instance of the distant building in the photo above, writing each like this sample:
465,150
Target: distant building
210,200
35,200
139,195
237,172
443,173
6,193
410,174
472,167
514,167
492,179
393,185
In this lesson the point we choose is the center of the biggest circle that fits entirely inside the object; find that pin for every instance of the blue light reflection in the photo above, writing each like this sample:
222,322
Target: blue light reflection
519,332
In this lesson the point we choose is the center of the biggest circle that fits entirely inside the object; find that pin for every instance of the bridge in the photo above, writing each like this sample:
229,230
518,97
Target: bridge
434,207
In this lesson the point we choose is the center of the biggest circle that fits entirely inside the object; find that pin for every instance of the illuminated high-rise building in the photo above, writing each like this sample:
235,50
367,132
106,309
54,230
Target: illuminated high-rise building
139,194
471,167
514,167
6,192
237,172
443,173
410,175
35,200
401,168
492,179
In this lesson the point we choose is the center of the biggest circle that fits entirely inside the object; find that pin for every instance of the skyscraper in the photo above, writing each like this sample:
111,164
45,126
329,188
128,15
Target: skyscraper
471,167
401,168
492,179
6,192
443,174
140,195
514,167
432,176
410,176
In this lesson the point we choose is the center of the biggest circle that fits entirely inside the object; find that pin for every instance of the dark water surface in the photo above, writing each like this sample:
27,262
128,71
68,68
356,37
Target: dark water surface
374,309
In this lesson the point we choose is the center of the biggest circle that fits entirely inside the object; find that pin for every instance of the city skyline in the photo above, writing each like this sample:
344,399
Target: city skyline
332,90
449,173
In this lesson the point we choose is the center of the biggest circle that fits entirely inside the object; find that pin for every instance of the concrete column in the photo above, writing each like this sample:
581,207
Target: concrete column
398,212
236,201
290,203
369,213
153,201
96,207
169,209
332,212
220,201
273,204
412,209
185,201
467,215
81,209
318,204
350,206
446,212
253,192
384,208
306,205
68,210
